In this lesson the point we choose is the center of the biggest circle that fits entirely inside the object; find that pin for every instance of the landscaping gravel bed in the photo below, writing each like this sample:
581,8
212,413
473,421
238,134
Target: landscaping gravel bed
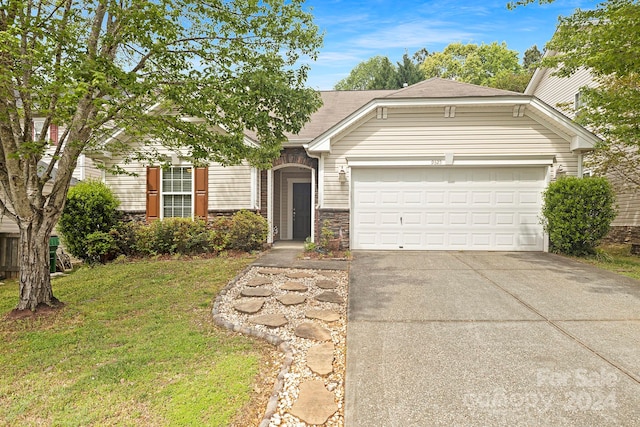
324,284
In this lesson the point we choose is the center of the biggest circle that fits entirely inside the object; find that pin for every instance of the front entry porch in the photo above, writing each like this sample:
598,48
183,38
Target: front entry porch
291,192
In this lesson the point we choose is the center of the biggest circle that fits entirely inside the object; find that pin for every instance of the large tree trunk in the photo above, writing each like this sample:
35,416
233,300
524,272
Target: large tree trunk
35,279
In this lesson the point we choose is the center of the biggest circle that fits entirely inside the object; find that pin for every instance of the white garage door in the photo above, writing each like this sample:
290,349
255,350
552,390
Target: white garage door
448,208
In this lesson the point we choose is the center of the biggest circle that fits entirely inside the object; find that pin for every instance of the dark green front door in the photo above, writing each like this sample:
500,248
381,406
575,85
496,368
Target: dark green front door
301,211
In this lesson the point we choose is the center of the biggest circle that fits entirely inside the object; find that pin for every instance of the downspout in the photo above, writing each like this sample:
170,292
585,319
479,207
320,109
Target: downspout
320,184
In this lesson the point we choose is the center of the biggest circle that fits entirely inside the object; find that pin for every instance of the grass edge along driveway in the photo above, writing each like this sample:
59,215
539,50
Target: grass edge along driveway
134,345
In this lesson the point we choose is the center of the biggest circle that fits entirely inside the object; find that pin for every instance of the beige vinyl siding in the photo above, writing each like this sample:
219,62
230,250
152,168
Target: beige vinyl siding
131,190
556,90
229,187
628,208
425,131
8,226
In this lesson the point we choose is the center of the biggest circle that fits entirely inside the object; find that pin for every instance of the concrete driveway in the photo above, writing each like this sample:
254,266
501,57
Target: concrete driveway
490,339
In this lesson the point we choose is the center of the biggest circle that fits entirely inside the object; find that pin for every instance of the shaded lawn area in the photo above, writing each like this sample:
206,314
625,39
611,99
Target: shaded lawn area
134,345
616,258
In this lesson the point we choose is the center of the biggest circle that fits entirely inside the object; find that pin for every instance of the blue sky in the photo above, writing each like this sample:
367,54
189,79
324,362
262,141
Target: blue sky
355,31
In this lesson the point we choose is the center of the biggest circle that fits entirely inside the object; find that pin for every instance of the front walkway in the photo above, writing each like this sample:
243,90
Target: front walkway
300,306
490,339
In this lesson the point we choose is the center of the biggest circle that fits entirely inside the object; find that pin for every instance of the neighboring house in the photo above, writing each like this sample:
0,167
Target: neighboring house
565,92
9,232
437,165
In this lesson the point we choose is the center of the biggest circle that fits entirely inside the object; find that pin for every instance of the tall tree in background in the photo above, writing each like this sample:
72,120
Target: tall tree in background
408,72
85,64
486,64
531,58
606,41
375,73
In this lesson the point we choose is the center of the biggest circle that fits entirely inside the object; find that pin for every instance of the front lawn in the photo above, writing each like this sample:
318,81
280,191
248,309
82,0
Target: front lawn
134,345
617,258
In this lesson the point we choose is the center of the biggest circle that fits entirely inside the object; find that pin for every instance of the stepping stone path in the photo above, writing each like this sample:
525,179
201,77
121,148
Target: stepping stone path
312,331
269,271
249,307
291,299
320,358
315,403
256,292
326,284
325,315
294,286
258,281
299,275
329,296
270,320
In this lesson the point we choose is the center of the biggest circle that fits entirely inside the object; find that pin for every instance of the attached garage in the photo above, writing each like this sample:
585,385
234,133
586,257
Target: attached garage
448,208
443,165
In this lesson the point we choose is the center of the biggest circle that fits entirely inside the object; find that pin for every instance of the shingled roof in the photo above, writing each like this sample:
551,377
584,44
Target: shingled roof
337,105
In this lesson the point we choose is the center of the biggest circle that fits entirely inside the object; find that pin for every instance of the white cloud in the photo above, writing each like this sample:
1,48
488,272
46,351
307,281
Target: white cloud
416,34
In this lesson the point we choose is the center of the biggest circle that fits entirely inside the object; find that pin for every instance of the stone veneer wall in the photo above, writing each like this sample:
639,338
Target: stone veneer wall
623,234
338,223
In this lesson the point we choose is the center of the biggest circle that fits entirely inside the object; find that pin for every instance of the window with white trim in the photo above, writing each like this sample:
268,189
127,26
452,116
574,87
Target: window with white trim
177,192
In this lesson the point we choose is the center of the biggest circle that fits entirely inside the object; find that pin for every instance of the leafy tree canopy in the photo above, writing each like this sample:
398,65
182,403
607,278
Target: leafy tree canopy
606,41
490,65
532,57
90,66
375,73
485,64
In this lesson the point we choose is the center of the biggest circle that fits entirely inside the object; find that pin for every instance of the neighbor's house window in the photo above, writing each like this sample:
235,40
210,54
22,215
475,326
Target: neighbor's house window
180,191
578,101
177,188
51,134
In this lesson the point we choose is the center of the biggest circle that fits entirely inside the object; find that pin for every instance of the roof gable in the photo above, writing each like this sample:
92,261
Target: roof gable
438,92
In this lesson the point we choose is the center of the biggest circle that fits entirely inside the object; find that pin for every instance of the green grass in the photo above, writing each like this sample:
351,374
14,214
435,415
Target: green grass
616,258
134,345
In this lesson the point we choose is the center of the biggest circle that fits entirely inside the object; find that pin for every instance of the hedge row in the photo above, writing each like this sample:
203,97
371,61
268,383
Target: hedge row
244,231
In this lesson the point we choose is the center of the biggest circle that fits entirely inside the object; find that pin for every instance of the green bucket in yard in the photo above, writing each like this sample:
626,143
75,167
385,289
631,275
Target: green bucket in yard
54,242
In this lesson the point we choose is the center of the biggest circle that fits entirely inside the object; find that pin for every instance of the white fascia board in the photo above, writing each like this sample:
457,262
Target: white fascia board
535,81
581,139
450,159
394,161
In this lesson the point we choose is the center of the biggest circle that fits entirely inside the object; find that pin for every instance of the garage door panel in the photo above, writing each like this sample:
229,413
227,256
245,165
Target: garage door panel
482,240
481,197
458,197
389,198
367,197
436,218
481,218
529,198
505,218
435,197
505,197
447,208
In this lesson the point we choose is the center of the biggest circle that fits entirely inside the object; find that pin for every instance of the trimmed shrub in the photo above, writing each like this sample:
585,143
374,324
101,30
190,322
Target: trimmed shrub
91,206
124,235
172,235
219,232
577,213
248,231
101,247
